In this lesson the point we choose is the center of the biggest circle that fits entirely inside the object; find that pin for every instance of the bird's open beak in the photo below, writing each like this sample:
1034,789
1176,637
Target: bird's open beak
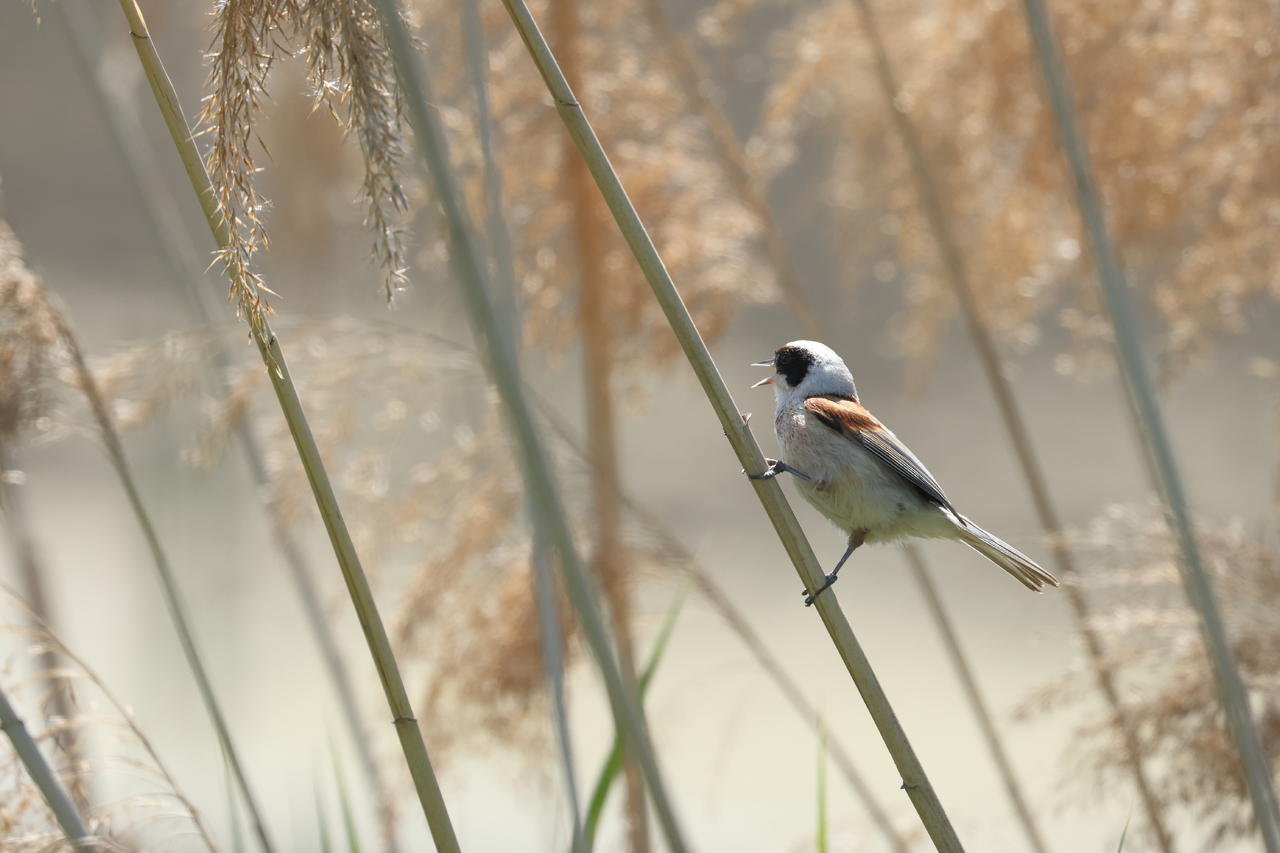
768,380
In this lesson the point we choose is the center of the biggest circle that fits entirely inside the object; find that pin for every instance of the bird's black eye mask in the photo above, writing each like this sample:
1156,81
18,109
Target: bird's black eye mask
793,363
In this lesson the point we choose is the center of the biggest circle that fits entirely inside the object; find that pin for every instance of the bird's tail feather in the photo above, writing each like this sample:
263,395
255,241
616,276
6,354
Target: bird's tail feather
1004,555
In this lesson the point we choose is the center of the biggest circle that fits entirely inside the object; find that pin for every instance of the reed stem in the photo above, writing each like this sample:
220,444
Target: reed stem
31,569
64,811
1151,430
915,782
508,308
607,561
406,725
544,495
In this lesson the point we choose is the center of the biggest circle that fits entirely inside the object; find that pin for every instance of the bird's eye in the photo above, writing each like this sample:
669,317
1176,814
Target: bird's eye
782,360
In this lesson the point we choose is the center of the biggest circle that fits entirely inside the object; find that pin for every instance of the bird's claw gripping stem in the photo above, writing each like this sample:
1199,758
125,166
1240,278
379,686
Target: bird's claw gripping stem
810,597
777,467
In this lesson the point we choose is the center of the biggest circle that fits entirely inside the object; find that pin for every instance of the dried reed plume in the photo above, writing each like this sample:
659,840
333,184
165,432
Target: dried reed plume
1180,108
1156,654
28,345
709,238
350,74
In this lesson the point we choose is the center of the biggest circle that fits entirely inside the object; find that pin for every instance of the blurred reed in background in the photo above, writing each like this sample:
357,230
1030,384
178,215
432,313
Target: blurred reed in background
1180,109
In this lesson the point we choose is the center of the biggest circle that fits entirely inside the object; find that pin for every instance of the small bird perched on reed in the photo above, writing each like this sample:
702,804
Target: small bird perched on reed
858,473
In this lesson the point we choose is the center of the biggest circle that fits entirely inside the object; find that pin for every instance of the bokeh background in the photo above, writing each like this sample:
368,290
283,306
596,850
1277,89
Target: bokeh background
1179,102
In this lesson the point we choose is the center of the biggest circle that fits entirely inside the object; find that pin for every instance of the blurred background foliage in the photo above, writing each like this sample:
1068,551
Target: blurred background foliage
763,151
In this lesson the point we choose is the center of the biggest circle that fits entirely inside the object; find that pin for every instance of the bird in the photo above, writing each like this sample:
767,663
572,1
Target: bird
860,475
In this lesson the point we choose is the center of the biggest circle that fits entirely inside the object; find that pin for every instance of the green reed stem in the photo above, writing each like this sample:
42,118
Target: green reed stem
406,725
613,761
43,776
164,570
1152,432
915,781
507,305
544,495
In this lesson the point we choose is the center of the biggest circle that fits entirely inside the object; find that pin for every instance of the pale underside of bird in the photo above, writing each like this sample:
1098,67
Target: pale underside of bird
859,474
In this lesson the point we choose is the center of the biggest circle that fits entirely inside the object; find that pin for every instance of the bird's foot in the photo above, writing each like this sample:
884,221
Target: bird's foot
810,597
777,467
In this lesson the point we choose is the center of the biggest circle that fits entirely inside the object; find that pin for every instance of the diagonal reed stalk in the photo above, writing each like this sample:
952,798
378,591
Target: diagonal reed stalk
952,258
180,256
1152,432
915,782
160,561
613,761
550,639
497,234
406,726
32,571
47,638
543,491
608,557
507,304
64,811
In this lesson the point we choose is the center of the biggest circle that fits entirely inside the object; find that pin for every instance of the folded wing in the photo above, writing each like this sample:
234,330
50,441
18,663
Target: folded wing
851,419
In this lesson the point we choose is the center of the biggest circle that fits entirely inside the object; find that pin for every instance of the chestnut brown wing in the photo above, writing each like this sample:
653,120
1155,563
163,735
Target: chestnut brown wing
851,419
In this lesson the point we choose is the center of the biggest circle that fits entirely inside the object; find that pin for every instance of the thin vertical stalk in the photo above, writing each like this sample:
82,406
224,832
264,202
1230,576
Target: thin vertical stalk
160,561
51,640
697,87
915,781
540,480
180,255
607,560
1151,430
822,788
43,776
13,507
406,725
550,639
168,581
976,700
613,761
497,234
507,303
957,274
